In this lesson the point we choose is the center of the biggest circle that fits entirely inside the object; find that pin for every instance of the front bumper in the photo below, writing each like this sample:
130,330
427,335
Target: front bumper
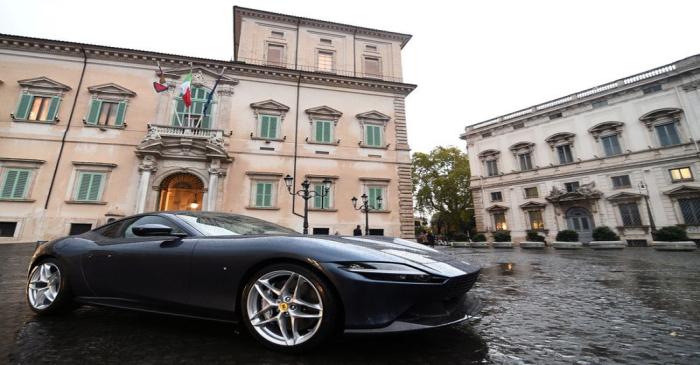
390,306
470,308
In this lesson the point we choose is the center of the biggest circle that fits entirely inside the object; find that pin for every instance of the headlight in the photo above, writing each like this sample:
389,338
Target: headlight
391,272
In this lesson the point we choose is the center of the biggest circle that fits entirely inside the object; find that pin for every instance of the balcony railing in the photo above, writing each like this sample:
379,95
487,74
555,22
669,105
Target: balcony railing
316,69
191,132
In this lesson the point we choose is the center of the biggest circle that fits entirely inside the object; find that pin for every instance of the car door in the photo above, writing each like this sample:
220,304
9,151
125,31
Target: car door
148,270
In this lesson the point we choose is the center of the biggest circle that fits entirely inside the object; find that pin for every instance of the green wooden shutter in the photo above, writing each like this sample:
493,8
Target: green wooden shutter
84,181
25,102
272,127
94,113
268,195
264,126
327,132
121,111
317,198
53,108
369,137
319,131
21,184
8,185
179,113
259,194
377,137
95,185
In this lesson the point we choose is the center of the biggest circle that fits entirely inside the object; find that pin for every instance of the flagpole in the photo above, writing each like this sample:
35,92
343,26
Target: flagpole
211,94
189,109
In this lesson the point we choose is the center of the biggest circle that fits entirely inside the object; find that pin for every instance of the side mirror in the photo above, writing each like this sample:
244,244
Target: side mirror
154,230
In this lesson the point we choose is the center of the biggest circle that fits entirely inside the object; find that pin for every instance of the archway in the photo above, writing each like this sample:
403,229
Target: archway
181,191
581,221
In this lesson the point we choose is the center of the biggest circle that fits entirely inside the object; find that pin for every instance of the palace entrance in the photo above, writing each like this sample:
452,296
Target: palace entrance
181,191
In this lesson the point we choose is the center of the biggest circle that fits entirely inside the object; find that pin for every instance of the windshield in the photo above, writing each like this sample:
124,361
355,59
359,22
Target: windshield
221,224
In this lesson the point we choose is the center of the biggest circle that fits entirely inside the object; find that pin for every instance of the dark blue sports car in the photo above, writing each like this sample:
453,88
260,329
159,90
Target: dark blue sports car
291,291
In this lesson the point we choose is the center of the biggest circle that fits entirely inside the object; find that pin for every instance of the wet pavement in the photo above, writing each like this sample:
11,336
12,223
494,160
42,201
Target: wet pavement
574,307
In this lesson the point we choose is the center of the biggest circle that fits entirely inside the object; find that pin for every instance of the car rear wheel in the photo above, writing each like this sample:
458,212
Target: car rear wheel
289,308
47,288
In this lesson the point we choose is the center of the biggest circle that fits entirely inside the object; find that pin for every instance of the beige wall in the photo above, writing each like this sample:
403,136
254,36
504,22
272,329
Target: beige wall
232,114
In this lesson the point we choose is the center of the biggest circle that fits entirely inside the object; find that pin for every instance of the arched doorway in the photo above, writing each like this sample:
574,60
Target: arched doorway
181,191
581,221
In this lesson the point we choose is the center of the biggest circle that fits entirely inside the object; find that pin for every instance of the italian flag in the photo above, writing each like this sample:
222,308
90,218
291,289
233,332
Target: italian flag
186,91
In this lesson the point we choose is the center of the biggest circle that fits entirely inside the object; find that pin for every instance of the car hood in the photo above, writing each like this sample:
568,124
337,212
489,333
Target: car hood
390,249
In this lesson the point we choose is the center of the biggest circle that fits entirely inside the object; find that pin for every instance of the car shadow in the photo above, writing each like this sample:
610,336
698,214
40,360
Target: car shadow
107,336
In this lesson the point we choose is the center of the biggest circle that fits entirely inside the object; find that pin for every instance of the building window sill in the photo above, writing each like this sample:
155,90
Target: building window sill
267,140
105,127
262,208
35,121
362,145
323,143
380,211
86,202
17,200
322,210
682,180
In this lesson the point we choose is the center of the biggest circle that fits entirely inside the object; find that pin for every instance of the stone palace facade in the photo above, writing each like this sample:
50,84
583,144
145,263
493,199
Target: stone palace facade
84,138
624,154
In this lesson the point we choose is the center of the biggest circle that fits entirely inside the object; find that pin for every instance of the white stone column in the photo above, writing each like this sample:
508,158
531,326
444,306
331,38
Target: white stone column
147,166
213,187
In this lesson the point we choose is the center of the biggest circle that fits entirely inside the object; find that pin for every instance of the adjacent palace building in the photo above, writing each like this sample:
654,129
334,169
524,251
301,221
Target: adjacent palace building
84,137
624,154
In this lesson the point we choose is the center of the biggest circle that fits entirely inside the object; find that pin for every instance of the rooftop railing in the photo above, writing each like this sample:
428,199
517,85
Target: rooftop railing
687,63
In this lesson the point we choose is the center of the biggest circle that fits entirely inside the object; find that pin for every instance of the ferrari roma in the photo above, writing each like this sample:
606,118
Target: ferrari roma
291,291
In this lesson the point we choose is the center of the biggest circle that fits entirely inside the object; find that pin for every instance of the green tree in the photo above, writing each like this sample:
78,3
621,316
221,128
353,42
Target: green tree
441,187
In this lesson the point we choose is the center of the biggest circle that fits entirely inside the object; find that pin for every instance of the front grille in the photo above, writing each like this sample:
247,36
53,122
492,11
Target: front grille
457,286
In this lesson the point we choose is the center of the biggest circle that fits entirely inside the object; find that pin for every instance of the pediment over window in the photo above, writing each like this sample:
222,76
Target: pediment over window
198,74
661,115
111,89
533,206
374,115
43,82
489,154
496,208
270,105
559,138
522,147
622,197
324,112
600,128
684,191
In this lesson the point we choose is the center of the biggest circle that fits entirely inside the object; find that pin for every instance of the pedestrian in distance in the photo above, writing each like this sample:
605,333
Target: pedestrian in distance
357,231
431,239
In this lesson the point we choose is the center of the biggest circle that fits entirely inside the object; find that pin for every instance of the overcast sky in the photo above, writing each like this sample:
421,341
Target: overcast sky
472,60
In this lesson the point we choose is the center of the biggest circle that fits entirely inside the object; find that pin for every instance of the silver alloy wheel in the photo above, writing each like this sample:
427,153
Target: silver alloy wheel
44,284
284,308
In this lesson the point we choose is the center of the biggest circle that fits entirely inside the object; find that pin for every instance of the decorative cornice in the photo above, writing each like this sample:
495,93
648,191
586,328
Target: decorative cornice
557,138
111,89
322,24
22,160
625,196
373,115
95,164
663,114
43,82
600,128
264,174
316,177
269,104
375,179
684,190
148,58
497,208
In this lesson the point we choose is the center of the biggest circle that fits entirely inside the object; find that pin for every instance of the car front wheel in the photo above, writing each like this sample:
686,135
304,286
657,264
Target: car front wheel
47,288
289,308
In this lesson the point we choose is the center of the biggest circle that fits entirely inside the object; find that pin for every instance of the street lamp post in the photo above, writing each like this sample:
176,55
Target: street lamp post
643,186
305,194
365,207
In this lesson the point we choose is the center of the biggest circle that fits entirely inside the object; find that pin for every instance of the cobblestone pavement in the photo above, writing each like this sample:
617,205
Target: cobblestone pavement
577,307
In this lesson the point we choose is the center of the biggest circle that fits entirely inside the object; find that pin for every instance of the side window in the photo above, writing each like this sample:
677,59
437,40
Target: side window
150,219
115,230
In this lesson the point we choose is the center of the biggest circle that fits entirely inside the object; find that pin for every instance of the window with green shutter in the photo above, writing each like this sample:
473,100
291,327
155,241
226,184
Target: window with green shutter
319,201
263,194
15,184
373,135
106,112
323,131
194,116
89,187
268,126
375,192
37,108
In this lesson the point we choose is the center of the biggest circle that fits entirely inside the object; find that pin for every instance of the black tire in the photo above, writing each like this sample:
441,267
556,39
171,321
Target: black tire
63,301
330,309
